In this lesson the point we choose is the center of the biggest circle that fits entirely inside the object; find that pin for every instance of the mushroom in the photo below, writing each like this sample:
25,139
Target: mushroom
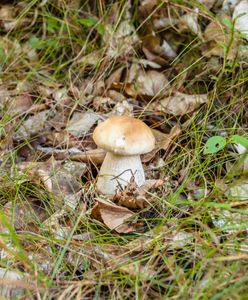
125,139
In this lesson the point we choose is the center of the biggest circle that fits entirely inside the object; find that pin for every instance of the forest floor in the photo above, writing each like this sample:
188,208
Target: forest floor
179,66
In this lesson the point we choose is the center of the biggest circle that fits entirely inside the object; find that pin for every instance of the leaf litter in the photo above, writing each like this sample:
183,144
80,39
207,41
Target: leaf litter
141,64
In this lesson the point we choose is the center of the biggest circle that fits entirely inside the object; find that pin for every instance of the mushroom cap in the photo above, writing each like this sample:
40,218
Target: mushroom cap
124,135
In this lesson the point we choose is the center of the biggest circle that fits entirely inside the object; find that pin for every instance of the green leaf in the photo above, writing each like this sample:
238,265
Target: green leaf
214,144
35,43
228,23
52,25
238,139
88,22
100,29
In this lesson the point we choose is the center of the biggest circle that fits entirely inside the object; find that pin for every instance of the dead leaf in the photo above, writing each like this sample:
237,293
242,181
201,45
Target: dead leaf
180,104
114,78
240,16
9,287
33,125
81,123
238,190
190,21
159,47
121,41
163,141
230,222
21,104
53,176
122,108
103,103
147,83
218,35
113,216
25,215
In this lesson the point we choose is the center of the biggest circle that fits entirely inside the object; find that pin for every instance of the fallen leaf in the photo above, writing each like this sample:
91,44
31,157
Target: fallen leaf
163,141
9,284
81,123
180,104
33,125
20,104
240,16
24,215
122,108
147,83
120,41
190,21
230,222
238,190
113,216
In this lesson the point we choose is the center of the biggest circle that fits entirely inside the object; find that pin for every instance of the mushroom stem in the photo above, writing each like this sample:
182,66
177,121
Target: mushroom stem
116,172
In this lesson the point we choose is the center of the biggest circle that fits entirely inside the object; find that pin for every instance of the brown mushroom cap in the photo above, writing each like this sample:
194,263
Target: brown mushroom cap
124,135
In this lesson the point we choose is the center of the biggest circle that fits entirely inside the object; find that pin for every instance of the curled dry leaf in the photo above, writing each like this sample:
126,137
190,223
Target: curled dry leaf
20,104
244,157
122,108
81,123
180,104
113,216
103,103
153,45
145,83
190,21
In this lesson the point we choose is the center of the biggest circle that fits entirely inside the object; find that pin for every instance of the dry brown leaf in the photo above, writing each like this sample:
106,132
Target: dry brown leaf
103,103
116,96
189,21
21,103
147,7
180,104
53,176
240,15
113,216
218,35
24,215
163,141
122,108
10,284
81,123
114,78
147,83
121,41
154,57
159,47
33,125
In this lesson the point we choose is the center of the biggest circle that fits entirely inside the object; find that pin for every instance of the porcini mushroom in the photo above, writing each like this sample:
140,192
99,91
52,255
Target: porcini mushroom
125,139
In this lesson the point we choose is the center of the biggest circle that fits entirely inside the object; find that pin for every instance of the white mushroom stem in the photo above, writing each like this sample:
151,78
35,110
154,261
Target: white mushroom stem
116,172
